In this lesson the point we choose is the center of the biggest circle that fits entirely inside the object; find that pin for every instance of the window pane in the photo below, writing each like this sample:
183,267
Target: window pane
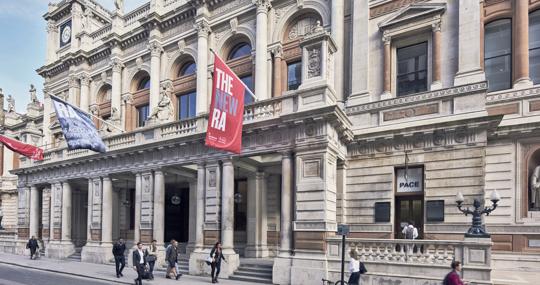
248,80
240,50
412,66
184,106
534,65
498,73
188,69
142,115
534,29
192,104
498,38
144,83
187,105
294,75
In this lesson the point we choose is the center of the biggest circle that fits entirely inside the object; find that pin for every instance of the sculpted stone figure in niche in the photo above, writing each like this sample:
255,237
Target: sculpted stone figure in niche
534,200
164,110
11,104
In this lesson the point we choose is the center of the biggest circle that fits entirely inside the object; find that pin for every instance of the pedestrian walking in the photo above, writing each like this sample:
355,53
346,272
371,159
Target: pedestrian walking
119,248
171,256
139,262
152,257
453,278
33,246
410,231
217,255
354,268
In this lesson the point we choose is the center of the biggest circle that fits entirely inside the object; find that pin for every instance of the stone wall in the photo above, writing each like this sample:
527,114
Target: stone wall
9,208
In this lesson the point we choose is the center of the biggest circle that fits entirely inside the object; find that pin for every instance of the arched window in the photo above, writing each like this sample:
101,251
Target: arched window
144,83
188,68
240,50
534,46
498,54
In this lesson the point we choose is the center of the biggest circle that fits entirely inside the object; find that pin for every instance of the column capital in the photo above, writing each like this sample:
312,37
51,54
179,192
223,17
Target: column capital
386,38
158,171
436,27
277,51
51,26
73,81
227,162
203,28
106,178
155,48
262,5
287,154
127,98
85,79
116,65
201,165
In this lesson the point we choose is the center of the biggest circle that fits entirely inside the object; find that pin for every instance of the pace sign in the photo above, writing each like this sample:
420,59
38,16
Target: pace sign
410,180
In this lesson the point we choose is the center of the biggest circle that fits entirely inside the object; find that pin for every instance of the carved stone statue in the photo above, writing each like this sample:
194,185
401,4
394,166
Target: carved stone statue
33,96
86,20
535,188
119,5
314,63
114,119
11,104
164,110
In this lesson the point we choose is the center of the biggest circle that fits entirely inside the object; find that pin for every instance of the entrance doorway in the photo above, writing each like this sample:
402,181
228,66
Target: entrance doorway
409,209
240,215
177,214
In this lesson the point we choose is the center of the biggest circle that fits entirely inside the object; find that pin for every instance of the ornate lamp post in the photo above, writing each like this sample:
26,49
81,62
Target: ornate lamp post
477,230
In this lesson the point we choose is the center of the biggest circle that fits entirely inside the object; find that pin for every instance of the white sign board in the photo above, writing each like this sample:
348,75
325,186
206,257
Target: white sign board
410,181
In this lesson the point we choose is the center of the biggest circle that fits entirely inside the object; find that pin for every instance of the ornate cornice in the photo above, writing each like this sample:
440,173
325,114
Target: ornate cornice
510,95
418,98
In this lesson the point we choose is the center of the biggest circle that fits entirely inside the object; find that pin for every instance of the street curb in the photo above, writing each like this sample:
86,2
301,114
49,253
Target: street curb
65,273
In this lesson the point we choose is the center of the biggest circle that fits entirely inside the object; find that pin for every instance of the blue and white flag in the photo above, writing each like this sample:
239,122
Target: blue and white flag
77,126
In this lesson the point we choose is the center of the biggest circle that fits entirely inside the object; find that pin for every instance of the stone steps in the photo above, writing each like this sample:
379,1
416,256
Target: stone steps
253,272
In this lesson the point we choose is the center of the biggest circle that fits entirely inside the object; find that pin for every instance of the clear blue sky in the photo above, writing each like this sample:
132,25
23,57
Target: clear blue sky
23,45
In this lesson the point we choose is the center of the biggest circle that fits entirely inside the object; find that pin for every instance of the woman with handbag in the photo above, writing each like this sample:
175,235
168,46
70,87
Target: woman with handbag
354,268
217,255
152,257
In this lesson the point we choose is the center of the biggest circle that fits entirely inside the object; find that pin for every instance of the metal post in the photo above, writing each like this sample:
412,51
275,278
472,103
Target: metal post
342,259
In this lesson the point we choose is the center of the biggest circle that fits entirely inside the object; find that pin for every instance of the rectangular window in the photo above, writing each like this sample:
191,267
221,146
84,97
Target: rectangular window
142,115
248,80
534,46
412,69
498,54
294,75
187,105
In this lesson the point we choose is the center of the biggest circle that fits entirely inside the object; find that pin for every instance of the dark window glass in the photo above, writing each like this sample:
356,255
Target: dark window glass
144,83
248,80
498,54
412,69
240,50
534,46
142,115
294,75
187,105
188,69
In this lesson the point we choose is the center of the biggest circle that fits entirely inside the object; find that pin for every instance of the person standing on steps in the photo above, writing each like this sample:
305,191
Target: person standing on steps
139,262
152,257
217,255
33,246
119,259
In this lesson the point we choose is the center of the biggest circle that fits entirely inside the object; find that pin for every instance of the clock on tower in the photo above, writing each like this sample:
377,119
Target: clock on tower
65,33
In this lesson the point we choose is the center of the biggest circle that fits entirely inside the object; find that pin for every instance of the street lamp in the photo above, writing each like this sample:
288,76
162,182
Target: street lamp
477,230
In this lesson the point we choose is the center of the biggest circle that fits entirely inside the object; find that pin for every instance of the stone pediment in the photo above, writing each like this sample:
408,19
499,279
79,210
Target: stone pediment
413,12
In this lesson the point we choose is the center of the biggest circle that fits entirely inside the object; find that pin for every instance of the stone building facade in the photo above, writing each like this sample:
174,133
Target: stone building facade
369,113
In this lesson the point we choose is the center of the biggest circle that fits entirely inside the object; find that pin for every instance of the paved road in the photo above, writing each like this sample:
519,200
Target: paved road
14,275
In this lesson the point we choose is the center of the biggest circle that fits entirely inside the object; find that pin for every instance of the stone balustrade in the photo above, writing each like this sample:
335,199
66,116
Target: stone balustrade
262,110
410,260
133,17
101,33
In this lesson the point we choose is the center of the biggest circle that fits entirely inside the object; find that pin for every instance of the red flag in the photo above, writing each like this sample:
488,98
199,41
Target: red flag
226,109
27,150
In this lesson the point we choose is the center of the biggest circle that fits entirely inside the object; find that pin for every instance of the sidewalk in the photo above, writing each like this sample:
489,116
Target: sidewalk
103,272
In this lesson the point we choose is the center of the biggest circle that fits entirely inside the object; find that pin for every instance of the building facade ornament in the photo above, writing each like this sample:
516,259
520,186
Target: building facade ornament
127,98
155,48
534,200
203,28
116,65
164,111
277,51
85,79
263,6
11,104
314,62
94,109
436,27
51,26
33,95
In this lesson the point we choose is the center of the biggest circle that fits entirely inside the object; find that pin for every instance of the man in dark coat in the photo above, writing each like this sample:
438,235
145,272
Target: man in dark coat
171,256
139,262
33,246
120,261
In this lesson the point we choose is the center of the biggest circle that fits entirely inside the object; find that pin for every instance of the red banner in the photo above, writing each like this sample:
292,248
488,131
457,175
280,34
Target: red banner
27,150
226,109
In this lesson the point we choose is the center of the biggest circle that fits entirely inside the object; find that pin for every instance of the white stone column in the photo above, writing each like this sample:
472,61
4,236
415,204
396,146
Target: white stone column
159,207
338,23
227,208
469,69
203,31
192,215
66,212
116,88
34,211
285,244
73,84
89,215
261,76
360,53
199,219
85,91
256,217
76,24
155,66
51,213
107,211
52,32
138,192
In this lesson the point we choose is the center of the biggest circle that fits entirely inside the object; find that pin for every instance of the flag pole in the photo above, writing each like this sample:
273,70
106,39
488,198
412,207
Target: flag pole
245,86
80,110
